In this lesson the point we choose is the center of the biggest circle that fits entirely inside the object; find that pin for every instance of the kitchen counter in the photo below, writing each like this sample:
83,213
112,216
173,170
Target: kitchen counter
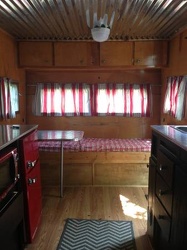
172,134
11,133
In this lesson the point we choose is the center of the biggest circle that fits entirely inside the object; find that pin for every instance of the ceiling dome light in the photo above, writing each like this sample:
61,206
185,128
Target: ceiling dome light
101,30
100,34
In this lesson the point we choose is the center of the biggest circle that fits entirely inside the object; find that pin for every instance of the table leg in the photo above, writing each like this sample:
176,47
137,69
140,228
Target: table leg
61,170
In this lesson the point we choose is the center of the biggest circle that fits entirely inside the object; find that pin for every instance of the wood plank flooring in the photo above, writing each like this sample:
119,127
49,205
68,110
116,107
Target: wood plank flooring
107,203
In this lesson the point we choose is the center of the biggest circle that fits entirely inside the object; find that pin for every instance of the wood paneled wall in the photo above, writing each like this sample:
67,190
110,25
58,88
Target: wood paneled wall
177,66
107,127
94,126
9,69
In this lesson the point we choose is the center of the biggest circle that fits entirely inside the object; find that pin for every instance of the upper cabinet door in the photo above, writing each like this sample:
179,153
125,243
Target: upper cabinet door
151,53
93,54
39,54
116,53
73,54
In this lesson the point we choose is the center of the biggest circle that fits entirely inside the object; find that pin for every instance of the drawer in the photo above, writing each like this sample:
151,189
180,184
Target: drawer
164,193
163,219
165,167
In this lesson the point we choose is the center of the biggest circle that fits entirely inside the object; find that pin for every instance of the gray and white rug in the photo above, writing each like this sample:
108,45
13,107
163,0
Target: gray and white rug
97,235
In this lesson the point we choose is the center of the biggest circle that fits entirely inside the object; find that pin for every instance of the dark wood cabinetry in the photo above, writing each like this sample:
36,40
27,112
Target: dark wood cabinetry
167,197
12,224
179,220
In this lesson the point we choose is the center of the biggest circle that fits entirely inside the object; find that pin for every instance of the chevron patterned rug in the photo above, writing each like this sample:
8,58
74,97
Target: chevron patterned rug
97,235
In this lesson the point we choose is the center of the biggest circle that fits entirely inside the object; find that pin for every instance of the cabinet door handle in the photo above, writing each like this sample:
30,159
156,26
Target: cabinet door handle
161,167
162,217
31,164
16,157
137,61
31,181
150,216
160,192
17,177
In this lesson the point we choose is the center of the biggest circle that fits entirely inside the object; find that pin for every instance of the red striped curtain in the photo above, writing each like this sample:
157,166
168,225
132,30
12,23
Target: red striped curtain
130,100
175,96
56,99
9,98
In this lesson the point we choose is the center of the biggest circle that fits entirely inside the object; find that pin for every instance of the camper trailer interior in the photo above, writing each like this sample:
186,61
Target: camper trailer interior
93,124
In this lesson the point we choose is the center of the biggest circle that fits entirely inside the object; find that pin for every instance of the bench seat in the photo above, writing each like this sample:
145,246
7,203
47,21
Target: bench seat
98,145
96,161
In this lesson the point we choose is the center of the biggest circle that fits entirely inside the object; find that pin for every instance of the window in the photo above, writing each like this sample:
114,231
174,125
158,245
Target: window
96,99
123,99
14,97
9,98
175,95
55,99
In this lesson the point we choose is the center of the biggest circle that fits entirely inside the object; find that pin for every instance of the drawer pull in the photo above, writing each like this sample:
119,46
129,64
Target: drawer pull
31,164
161,167
150,216
31,181
160,192
162,217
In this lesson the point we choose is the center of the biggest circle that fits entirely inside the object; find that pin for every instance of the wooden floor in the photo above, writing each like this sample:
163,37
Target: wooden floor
107,203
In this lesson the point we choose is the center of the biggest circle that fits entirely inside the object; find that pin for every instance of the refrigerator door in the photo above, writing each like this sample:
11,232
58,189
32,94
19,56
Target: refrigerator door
31,183
29,147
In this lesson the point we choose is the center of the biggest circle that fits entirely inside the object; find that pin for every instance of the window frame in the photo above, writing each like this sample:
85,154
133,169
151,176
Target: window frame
93,96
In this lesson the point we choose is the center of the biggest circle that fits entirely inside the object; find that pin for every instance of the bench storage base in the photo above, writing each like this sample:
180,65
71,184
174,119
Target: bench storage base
95,168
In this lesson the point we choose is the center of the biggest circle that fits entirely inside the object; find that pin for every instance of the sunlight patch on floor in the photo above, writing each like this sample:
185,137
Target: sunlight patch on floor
132,210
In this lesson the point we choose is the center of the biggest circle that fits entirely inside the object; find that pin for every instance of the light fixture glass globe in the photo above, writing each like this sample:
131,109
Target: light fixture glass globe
100,34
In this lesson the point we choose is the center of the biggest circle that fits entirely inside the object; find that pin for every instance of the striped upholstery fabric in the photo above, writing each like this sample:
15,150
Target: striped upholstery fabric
98,145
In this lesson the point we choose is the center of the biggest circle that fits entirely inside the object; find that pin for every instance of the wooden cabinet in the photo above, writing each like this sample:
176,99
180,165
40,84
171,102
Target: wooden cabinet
179,225
151,190
92,54
151,53
116,54
167,195
76,54
38,54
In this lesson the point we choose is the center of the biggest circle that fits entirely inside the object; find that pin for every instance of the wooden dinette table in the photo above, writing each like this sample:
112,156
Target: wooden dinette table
60,135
